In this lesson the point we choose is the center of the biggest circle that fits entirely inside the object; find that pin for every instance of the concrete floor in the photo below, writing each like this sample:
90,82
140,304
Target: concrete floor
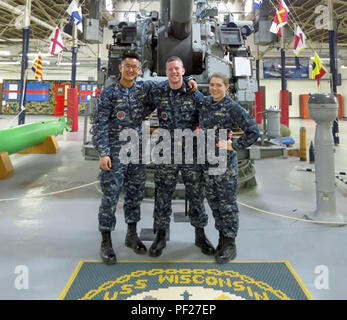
45,237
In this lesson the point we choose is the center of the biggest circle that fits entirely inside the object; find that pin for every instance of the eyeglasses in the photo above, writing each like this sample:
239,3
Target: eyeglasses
128,66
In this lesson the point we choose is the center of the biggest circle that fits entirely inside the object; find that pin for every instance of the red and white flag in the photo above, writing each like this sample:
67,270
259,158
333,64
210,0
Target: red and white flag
57,44
280,19
299,42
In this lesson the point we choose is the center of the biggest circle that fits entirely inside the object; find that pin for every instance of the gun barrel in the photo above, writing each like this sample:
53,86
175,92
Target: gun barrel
164,11
181,15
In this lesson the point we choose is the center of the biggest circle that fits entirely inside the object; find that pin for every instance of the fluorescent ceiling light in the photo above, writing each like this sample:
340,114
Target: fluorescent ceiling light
109,6
43,61
67,64
35,54
248,6
9,62
325,59
4,53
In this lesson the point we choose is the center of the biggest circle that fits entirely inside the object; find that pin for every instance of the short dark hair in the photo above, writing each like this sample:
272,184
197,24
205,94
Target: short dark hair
131,55
174,58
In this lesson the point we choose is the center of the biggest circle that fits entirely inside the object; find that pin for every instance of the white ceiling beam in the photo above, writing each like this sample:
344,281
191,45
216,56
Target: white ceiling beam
15,10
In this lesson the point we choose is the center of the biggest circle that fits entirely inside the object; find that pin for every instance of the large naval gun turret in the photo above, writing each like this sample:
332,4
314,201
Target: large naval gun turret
205,45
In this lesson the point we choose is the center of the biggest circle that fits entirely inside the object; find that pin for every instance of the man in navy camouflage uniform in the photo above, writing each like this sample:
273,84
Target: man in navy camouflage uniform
177,108
218,112
122,105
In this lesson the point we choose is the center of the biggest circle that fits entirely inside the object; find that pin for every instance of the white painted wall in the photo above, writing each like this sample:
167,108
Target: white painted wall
298,87
343,90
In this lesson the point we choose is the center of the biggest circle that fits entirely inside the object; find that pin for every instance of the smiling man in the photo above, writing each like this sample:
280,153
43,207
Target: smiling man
177,108
122,105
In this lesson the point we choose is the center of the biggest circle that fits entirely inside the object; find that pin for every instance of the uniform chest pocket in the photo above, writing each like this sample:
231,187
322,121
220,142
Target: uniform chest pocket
137,107
209,121
203,119
187,110
218,119
137,113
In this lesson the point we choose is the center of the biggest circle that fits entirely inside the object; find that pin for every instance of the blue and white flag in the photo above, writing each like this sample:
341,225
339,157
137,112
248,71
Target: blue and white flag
257,4
76,15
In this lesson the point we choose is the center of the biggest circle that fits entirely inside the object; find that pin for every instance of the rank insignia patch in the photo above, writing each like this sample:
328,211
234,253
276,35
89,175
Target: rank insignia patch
164,115
120,115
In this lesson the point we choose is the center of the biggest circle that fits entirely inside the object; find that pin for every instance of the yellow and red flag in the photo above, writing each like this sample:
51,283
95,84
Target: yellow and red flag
318,70
280,19
37,68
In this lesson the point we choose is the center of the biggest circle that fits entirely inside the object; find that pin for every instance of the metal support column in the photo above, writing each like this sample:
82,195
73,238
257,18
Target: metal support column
283,64
333,72
74,53
257,68
284,94
24,66
74,57
99,62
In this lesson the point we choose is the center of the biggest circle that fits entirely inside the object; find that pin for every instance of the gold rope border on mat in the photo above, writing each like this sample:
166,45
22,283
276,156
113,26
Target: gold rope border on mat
73,277
109,284
297,278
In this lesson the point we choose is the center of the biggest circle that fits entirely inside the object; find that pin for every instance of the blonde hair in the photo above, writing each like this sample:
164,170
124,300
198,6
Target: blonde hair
174,58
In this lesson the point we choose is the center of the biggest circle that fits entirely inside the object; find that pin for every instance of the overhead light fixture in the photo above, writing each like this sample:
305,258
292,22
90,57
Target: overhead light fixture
248,6
35,54
9,62
67,64
325,59
41,54
109,6
43,61
4,53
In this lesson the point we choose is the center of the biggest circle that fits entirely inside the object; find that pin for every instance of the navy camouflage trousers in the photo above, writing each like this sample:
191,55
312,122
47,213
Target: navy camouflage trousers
165,178
130,177
221,194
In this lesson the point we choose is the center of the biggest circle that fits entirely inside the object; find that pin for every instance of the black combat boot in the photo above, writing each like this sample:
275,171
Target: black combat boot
133,241
226,249
159,244
107,254
202,242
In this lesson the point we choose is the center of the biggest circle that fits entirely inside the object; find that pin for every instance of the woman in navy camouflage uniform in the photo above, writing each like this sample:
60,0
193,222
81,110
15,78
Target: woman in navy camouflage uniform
218,112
